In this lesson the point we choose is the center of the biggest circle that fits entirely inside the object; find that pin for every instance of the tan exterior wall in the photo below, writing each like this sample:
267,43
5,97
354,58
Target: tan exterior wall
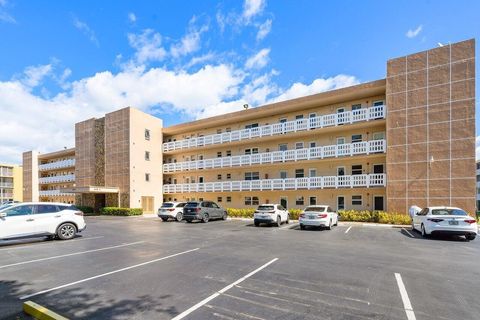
431,128
89,153
11,182
139,165
17,183
30,176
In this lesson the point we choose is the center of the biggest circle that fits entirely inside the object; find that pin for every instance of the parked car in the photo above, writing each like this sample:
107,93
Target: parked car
318,216
204,211
445,220
172,210
271,213
33,219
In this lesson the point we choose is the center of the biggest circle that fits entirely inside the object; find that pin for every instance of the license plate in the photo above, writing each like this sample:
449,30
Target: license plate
453,223
311,216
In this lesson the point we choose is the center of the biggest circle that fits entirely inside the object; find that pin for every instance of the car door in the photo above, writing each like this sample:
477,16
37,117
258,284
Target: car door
218,210
418,218
47,217
17,222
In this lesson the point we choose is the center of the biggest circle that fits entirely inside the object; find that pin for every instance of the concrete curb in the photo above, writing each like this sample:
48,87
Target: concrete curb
39,312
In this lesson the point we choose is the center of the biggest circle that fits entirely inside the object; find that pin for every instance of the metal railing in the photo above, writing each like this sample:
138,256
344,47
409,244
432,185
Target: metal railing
54,193
6,172
6,185
57,165
332,151
329,120
350,181
57,179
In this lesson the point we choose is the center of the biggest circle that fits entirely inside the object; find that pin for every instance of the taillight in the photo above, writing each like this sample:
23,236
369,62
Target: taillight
470,221
321,216
197,209
78,213
171,209
435,220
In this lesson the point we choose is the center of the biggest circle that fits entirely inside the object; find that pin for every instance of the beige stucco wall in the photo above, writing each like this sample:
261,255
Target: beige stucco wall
30,176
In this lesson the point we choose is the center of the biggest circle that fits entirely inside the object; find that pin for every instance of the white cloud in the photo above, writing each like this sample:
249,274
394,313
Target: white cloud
477,147
259,60
252,8
4,15
264,29
86,30
413,33
190,42
132,17
148,46
35,74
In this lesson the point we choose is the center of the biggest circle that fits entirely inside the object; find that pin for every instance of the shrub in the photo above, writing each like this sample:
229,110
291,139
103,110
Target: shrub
294,213
374,216
240,213
114,211
85,209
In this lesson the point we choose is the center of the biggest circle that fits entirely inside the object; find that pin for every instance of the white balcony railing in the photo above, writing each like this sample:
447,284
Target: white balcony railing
57,179
364,114
6,195
6,185
6,172
353,181
57,165
340,150
54,193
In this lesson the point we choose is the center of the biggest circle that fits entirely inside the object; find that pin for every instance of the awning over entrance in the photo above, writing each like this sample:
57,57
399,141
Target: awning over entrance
92,189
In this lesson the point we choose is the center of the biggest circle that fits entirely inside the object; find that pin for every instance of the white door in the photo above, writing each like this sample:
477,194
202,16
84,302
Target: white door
46,216
18,222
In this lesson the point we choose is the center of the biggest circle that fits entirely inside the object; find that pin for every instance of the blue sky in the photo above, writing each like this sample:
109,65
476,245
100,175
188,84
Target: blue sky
65,61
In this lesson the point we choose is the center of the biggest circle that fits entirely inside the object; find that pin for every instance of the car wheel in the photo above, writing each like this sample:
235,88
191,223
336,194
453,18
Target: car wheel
302,227
256,223
470,237
424,233
205,218
224,217
66,231
179,217
288,219
164,219
189,220
279,221
329,227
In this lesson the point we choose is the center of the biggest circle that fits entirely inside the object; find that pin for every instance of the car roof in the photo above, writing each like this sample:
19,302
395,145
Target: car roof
269,204
439,207
318,206
47,203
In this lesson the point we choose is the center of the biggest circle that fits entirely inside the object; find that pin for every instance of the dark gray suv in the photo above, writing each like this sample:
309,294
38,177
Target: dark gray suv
203,211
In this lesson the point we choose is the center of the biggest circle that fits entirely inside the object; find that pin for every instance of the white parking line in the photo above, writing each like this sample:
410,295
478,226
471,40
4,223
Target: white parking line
16,246
346,231
411,235
106,274
289,226
216,294
70,254
406,301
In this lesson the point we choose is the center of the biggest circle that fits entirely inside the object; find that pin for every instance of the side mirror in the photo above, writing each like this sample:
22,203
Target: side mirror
3,214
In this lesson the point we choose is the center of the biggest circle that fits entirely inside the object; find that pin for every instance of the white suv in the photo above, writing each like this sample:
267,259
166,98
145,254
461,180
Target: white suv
172,210
271,213
34,219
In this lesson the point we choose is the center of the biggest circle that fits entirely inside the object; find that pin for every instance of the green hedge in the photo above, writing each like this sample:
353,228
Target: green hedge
374,216
114,211
85,209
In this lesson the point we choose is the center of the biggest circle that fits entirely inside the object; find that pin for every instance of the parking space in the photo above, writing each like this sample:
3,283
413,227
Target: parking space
143,268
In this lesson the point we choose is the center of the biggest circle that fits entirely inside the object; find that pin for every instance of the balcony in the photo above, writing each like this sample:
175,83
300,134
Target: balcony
54,193
329,120
6,172
6,185
57,179
57,165
327,182
6,195
332,151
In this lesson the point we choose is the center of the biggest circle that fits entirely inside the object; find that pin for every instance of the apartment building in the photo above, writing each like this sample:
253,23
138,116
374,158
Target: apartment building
478,186
10,182
382,145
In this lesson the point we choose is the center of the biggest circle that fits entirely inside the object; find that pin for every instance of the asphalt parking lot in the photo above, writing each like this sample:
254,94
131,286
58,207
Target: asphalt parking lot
143,268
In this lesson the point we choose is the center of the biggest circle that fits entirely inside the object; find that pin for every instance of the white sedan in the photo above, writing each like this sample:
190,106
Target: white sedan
318,216
271,213
445,220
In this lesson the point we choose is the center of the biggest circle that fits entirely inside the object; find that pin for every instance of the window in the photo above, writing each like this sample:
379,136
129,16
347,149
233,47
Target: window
219,154
356,138
357,200
147,155
20,211
378,168
312,172
356,169
228,153
283,174
340,140
356,107
228,130
378,103
283,147
312,115
378,135
250,126
299,117
251,151
299,145
251,201
299,201
147,134
219,131
219,199
219,177
229,199
147,177
283,120
312,144
299,173
229,176
252,176
313,201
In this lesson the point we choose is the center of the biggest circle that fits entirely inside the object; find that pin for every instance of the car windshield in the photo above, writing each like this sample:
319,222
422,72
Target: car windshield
191,205
315,209
265,208
448,212
5,206
167,205
181,205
